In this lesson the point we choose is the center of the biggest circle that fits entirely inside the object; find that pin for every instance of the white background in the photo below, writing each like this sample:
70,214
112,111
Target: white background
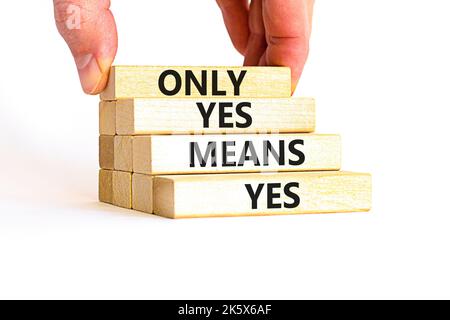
380,72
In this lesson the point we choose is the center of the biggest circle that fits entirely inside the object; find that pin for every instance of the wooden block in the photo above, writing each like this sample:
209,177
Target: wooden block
157,82
142,193
194,116
123,151
116,153
105,186
107,116
106,152
115,188
191,196
184,154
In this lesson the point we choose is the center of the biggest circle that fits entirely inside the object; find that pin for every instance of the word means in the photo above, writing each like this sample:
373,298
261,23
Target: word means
247,154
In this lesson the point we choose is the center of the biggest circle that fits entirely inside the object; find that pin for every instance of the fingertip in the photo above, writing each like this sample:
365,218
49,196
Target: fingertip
297,71
93,73
294,85
241,47
295,77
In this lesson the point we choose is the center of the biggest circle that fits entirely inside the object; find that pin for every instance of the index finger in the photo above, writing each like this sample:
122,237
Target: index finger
235,16
288,29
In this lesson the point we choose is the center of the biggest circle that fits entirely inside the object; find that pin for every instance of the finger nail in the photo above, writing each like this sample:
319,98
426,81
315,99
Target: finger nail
93,80
293,88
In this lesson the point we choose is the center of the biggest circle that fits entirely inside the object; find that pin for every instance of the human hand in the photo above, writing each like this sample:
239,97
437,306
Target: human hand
268,32
89,29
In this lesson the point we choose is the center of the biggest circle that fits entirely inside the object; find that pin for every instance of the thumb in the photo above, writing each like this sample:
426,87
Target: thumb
89,29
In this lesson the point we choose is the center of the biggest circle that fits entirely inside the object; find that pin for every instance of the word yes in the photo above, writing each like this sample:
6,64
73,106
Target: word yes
223,114
273,194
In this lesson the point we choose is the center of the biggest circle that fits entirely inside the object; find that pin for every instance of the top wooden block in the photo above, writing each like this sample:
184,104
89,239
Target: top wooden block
162,82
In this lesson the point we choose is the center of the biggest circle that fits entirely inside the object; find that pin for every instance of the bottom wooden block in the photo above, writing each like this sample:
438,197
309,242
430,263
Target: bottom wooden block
219,195
142,192
115,188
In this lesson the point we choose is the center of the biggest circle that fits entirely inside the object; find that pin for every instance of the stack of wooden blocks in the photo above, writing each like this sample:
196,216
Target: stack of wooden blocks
183,142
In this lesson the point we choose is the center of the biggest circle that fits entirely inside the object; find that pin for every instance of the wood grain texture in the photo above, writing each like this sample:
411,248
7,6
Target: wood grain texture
123,152
107,118
191,196
115,188
142,81
106,152
105,186
184,154
116,153
183,116
142,193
